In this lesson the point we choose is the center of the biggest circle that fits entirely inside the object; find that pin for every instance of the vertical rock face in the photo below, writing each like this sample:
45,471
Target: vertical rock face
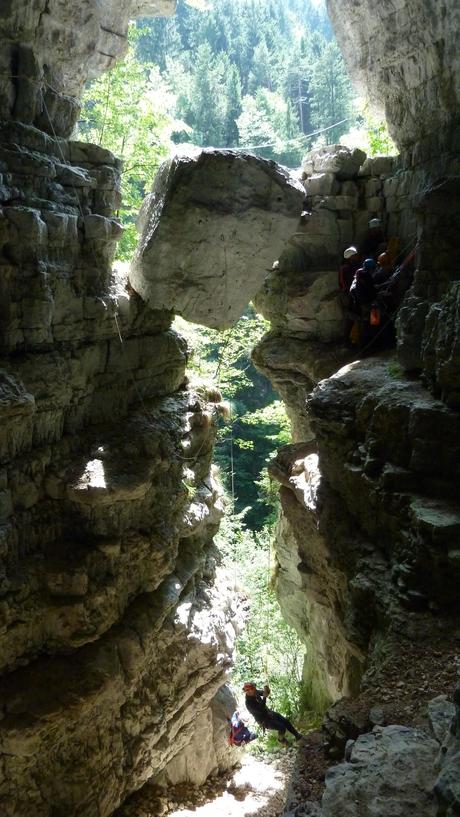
370,525
50,48
404,56
116,633
115,636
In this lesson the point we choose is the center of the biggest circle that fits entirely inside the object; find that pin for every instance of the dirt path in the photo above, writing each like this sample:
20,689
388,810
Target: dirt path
284,783
258,789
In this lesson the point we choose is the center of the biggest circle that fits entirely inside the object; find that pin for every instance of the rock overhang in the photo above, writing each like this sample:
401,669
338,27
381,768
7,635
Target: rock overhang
403,55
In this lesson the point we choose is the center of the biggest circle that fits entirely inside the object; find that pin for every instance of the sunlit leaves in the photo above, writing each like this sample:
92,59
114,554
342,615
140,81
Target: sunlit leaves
127,111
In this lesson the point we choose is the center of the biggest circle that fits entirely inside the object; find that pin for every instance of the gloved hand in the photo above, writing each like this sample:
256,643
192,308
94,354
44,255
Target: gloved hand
266,690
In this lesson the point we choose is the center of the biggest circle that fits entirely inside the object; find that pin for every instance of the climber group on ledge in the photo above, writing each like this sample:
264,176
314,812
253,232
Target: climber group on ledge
372,285
256,704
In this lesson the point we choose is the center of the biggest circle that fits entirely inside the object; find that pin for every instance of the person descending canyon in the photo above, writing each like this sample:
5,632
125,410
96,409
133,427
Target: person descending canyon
351,262
256,704
374,241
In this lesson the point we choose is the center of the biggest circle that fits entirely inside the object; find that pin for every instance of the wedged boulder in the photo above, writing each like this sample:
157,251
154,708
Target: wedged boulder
210,229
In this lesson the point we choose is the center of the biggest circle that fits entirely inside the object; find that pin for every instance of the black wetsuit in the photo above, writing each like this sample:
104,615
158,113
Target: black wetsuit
257,706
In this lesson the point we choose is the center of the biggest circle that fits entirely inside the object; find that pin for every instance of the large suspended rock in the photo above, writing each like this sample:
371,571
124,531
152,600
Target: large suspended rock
210,230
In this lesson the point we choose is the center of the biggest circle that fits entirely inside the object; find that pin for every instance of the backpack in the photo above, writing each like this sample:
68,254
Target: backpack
238,731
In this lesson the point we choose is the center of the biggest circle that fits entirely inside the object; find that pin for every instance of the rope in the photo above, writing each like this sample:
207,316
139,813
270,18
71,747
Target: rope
267,625
39,82
294,140
232,488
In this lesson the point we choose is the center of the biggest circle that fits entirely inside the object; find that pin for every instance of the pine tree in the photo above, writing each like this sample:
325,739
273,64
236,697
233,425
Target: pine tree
233,107
208,98
261,72
331,93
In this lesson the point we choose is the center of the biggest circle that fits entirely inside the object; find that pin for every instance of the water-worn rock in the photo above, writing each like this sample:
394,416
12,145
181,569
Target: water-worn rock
208,752
210,230
390,772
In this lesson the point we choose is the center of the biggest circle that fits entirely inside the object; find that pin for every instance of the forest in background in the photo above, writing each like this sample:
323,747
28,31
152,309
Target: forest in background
257,74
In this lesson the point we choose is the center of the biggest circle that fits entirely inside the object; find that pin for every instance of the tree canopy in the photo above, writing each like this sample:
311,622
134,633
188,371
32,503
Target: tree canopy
251,73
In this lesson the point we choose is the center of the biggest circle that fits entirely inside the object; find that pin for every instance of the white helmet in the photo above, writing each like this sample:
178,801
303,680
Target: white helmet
350,252
375,222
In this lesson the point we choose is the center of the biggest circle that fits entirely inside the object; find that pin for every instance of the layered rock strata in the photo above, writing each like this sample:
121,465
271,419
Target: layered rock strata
115,635
299,296
50,49
369,535
404,57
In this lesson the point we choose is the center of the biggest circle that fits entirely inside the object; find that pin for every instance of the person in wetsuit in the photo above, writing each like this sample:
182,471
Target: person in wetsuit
256,704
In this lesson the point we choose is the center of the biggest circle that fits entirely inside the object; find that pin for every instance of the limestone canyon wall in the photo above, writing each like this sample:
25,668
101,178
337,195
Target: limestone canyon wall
369,538
50,48
116,634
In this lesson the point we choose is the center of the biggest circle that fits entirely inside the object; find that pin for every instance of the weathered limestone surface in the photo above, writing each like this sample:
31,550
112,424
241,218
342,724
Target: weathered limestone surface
404,56
210,230
397,771
200,760
385,474
447,787
310,590
115,636
299,296
380,439
50,49
391,771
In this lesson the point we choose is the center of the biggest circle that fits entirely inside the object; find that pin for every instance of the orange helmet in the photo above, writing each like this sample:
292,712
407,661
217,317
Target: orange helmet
383,259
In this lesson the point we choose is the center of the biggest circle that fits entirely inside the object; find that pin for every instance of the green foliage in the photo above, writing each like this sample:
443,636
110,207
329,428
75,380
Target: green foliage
266,124
380,141
395,369
371,134
127,111
268,651
330,92
258,423
255,73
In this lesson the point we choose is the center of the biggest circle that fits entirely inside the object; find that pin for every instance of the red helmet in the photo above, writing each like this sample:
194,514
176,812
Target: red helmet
248,686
